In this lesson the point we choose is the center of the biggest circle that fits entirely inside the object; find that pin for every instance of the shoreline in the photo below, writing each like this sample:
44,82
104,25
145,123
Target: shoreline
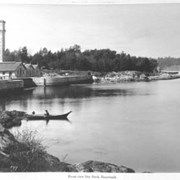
133,76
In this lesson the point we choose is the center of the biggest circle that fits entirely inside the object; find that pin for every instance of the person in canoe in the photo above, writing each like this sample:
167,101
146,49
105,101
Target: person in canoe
46,114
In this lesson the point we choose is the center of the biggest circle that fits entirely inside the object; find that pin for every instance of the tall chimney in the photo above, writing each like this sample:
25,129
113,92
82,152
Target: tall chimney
2,40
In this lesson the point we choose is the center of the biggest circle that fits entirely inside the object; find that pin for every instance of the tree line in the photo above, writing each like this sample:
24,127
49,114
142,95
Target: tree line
168,62
103,60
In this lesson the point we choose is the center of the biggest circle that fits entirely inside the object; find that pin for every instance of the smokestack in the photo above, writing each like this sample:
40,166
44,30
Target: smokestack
2,40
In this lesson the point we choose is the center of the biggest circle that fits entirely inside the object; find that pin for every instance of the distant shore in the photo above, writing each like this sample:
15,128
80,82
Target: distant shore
121,76
129,76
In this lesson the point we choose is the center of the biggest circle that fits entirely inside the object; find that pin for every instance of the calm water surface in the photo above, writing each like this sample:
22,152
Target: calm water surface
131,124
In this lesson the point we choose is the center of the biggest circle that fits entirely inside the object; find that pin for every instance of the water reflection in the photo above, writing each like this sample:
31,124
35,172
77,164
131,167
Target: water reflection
50,95
49,120
78,92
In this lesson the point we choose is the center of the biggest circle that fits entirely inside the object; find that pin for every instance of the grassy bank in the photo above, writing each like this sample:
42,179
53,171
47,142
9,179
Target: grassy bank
24,152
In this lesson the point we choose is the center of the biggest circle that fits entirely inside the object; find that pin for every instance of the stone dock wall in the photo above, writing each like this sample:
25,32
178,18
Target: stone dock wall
11,86
28,82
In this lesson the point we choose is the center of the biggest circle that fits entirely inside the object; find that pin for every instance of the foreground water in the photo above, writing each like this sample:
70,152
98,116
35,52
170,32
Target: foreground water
131,124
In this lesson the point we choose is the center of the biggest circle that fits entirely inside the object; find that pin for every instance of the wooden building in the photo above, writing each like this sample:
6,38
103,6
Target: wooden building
32,70
29,70
37,71
10,70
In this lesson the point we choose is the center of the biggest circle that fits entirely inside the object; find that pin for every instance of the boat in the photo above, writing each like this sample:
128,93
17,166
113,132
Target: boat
49,117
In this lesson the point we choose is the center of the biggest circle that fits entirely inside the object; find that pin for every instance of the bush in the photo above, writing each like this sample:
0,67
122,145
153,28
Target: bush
29,154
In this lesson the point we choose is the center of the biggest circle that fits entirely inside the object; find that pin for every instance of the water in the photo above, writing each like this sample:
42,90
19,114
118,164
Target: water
131,124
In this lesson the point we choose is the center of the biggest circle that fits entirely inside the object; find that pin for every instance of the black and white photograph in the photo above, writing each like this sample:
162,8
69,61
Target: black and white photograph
89,89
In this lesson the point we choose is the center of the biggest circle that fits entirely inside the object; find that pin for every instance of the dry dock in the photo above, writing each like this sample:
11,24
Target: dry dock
62,80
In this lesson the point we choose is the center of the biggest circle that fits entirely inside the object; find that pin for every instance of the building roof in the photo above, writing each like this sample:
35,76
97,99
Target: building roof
28,65
9,66
34,66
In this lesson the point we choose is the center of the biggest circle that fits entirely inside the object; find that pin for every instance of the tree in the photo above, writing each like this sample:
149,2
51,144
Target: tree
22,55
9,56
104,60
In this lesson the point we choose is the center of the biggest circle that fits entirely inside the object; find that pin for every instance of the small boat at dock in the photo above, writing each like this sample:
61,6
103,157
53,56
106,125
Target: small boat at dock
47,117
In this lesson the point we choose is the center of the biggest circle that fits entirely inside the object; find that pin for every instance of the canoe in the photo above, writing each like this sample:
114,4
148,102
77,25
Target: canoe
50,117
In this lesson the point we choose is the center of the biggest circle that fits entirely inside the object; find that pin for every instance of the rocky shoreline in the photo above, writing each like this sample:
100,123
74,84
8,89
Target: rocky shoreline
9,119
132,76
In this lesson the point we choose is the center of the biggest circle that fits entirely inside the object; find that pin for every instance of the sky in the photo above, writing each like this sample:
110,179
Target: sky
148,30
